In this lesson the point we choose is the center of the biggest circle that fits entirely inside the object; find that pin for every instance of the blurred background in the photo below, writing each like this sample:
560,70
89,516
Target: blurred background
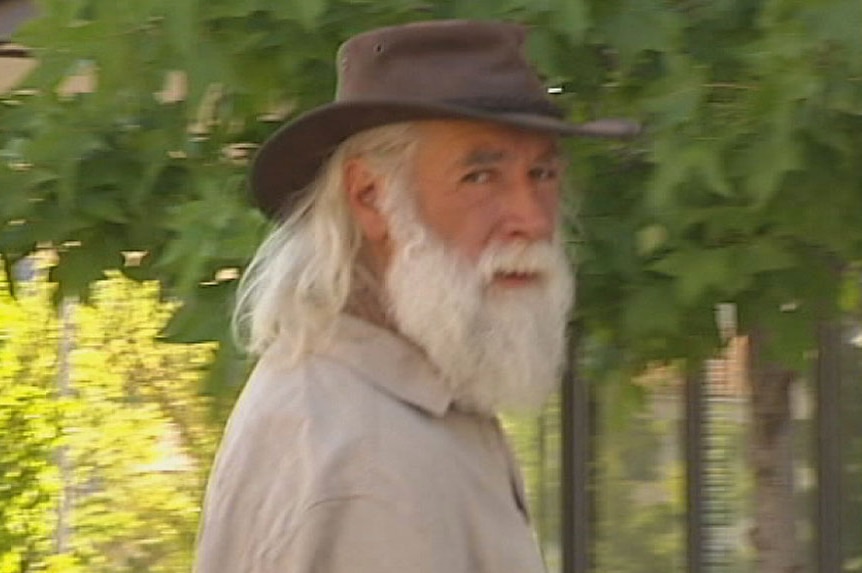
711,417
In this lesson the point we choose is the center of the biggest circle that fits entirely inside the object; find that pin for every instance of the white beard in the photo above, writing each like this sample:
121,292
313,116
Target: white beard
497,348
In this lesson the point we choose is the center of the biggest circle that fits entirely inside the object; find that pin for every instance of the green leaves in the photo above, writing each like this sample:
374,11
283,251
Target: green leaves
682,164
131,419
721,272
835,23
748,167
79,266
636,26
570,17
306,12
769,159
204,316
652,311
696,272
675,98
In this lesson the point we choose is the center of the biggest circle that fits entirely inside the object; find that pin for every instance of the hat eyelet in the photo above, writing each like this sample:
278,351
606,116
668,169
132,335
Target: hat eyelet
378,49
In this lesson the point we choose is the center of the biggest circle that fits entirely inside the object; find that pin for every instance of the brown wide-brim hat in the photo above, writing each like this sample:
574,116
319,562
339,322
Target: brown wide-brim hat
449,69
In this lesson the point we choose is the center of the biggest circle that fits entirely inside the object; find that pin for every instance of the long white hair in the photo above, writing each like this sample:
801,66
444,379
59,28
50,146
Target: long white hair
301,276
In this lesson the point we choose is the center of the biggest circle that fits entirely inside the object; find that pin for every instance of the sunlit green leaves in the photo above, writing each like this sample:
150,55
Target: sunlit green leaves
29,430
138,436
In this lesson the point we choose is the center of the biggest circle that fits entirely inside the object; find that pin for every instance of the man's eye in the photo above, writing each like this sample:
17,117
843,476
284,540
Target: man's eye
481,176
545,173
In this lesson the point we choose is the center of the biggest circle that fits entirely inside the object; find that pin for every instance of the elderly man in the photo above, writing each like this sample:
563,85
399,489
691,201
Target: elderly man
415,285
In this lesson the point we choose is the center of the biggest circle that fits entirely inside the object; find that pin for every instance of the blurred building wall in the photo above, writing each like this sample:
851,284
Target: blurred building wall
14,64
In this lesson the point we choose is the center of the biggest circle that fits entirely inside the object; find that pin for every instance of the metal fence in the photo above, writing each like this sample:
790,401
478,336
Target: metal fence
708,524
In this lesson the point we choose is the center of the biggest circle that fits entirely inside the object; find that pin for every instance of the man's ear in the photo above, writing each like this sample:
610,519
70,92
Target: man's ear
364,190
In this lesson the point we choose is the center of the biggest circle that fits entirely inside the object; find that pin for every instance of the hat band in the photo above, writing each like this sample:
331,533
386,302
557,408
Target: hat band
508,104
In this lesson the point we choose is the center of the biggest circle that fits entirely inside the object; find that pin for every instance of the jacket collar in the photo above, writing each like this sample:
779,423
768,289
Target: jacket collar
390,362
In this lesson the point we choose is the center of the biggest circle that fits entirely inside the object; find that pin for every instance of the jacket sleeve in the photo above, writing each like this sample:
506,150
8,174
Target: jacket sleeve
358,534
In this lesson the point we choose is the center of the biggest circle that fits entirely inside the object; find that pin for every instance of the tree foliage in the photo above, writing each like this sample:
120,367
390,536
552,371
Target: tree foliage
105,474
126,149
29,435
745,187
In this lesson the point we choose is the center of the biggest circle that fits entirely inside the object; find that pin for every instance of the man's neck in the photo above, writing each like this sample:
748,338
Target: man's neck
366,299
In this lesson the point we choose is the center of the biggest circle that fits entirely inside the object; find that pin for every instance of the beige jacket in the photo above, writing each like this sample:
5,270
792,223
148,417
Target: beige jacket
354,462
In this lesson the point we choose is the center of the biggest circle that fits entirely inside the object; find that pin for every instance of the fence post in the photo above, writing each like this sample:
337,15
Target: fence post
694,448
828,448
577,488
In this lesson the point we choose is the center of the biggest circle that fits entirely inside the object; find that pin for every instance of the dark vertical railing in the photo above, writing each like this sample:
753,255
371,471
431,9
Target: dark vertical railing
828,446
694,471
576,479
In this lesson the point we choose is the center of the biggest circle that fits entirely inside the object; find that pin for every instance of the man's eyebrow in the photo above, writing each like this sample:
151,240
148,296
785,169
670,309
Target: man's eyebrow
482,156
488,156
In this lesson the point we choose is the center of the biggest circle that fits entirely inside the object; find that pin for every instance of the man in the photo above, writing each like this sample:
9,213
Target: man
414,286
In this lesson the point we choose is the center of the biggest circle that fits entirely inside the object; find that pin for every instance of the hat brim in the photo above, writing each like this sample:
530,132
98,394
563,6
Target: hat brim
289,160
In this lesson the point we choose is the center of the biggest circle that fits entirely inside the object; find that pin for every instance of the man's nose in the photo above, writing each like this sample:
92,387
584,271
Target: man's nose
531,211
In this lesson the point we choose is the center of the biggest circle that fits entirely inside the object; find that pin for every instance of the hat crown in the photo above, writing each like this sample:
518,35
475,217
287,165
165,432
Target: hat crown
450,61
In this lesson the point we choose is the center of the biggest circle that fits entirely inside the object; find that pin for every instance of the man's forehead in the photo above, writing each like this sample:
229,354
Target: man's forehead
476,142
489,154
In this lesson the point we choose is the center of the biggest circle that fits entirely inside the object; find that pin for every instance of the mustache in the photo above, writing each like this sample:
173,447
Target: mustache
520,257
